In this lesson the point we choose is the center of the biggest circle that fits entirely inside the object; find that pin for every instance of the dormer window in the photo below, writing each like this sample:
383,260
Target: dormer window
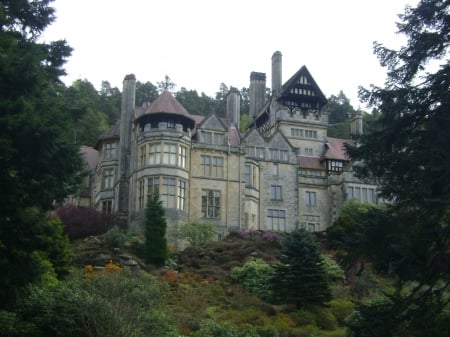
109,151
335,165
213,137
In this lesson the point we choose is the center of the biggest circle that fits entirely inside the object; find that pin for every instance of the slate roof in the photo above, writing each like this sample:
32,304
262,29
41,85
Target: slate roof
335,148
90,156
165,103
310,163
113,132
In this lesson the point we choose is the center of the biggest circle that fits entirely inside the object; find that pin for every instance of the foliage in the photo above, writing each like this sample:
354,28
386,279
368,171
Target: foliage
255,276
166,84
145,93
409,154
34,250
103,304
38,165
84,105
195,104
81,222
155,246
196,234
300,277
334,272
347,231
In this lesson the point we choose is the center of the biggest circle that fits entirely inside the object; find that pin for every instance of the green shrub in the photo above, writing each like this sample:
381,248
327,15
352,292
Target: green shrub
115,237
325,318
196,234
255,276
341,309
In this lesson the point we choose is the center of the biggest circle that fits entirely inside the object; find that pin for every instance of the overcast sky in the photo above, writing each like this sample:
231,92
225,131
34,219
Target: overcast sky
200,44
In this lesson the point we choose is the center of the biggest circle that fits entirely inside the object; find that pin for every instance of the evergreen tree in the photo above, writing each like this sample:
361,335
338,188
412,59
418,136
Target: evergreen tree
155,247
300,278
38,165
409,154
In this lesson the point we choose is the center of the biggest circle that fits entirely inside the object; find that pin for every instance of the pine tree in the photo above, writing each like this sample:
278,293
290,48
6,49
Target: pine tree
38,165
155,247
409,154
300,277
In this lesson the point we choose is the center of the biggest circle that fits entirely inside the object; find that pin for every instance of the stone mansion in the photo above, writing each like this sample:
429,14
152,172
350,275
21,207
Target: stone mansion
283,172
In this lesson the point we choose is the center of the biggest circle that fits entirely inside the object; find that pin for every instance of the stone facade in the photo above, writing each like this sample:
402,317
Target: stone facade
281,173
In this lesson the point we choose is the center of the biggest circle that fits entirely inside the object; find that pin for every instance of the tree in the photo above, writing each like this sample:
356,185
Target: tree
155,246
194,103
85,104
409,154
300,278
145,93
166,84
38,165
110,102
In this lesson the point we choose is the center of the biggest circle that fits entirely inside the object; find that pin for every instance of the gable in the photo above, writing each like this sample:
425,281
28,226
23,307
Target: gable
278,141
211,122
254,137
301,91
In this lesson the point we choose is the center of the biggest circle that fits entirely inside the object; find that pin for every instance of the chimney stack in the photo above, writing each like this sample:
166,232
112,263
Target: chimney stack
234,106
257,93
126,122
276,73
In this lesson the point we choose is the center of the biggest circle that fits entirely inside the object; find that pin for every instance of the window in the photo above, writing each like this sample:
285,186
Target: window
250,176
310,134
141,194
181,194
207,137
142,155
108,178
275,169
109,151
169,154
107,206
275,192
308,151
255,152
210,204
311,223
154,154
362,194
335,165
280,155
182,156
153,185
310,199
276,220
296,132
219,139
211,166
168,192
172,191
